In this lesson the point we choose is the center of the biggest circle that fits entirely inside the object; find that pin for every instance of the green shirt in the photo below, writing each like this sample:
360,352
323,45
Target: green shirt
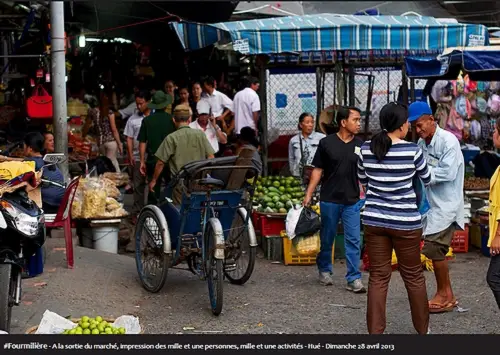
184,146
154,129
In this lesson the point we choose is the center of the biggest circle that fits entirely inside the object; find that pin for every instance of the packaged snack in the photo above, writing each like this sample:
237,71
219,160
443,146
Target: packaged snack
94,199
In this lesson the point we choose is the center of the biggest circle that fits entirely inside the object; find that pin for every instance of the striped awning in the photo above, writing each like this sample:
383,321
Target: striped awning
329,32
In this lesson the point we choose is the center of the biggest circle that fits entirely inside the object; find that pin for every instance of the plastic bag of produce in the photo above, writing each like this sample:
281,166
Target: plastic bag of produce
94,199
309,223
307,246
77,206
110,187
120,179
292,218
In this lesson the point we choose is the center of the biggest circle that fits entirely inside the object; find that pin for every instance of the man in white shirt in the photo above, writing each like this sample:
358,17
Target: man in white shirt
207,124
220,105
131,131
246,106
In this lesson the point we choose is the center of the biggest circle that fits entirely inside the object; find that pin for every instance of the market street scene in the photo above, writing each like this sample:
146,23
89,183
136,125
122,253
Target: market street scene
255,168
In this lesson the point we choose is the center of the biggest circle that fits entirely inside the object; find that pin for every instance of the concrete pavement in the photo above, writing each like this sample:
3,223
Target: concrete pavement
277,299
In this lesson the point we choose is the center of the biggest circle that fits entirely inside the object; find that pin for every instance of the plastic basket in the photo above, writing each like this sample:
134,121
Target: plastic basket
256,221
293,258
271,225
460,241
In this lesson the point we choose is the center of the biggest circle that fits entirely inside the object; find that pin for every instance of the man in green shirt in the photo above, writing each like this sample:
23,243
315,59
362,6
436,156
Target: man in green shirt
181,147
154,129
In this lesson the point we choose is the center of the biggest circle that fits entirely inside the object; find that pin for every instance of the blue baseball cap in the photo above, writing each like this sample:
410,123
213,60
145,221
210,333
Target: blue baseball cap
417,110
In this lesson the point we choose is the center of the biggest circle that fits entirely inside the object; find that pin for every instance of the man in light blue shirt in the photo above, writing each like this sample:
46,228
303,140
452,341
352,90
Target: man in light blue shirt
445,194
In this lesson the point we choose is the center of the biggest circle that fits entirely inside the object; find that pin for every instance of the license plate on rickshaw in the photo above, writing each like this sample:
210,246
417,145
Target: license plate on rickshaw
218,203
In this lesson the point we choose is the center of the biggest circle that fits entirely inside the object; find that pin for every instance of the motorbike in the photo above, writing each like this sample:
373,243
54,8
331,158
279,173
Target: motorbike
22,233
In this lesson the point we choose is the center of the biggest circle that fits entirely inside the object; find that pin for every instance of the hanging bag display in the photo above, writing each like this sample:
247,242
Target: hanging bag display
39,105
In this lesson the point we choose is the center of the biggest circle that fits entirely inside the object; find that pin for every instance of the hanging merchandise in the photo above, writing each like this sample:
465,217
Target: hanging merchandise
494,105
39,105
39,73
455,123
442,114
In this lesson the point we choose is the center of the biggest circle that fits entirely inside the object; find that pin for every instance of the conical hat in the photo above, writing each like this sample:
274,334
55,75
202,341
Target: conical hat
327,122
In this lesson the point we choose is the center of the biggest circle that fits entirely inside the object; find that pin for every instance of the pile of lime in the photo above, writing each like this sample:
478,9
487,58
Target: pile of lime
94,326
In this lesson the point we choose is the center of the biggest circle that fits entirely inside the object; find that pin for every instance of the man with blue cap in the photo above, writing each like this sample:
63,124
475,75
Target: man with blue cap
445,195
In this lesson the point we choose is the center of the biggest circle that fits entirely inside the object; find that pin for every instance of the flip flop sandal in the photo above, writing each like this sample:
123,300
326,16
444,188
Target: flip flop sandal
441,308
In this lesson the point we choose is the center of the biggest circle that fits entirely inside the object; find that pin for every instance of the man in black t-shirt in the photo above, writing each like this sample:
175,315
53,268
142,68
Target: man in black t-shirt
335,165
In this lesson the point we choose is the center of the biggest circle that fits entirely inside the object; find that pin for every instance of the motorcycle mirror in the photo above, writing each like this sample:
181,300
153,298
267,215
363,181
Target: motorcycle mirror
54,158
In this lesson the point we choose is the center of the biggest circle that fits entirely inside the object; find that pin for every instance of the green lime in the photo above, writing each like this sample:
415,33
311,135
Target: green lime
95,331
72,331
79,331
87,331
121,330
108,330
101,328
92,326
104,323
85,325
85,319
98,319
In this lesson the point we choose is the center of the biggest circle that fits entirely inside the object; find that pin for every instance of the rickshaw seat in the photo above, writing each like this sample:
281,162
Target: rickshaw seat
208,181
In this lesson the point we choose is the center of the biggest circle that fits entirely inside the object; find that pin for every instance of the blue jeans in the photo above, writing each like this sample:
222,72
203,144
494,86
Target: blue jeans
330,215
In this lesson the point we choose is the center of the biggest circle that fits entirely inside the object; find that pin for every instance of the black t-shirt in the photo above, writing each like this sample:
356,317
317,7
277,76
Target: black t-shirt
339,163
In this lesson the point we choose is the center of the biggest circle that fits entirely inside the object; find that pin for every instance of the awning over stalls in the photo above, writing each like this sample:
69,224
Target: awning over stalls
330,32
481,63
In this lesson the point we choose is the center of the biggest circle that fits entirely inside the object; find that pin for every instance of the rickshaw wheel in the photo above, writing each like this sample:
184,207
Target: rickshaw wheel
213,271
149,252
238,250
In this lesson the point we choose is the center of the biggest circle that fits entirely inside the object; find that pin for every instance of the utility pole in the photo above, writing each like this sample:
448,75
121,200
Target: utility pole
58,71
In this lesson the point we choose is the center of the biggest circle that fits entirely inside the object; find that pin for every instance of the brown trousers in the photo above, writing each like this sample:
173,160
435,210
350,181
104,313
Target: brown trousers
380,243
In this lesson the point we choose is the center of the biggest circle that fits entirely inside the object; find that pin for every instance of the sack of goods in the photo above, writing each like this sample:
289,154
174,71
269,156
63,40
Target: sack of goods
96,198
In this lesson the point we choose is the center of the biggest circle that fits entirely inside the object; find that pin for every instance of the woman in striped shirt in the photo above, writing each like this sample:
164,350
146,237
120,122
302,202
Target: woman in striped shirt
387,167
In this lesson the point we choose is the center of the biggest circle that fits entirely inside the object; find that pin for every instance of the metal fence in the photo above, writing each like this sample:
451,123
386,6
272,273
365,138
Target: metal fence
292,91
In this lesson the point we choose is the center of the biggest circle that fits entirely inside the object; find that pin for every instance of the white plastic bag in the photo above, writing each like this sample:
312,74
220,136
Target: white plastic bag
292,218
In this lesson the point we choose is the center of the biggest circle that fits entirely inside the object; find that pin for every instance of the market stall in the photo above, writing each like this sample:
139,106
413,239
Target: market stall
97,211
312,63
466,91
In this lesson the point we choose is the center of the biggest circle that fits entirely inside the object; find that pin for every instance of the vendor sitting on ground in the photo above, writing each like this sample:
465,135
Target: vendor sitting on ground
52,195
181,147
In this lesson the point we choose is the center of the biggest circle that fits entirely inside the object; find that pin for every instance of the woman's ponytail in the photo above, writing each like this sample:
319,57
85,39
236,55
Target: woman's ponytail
380,145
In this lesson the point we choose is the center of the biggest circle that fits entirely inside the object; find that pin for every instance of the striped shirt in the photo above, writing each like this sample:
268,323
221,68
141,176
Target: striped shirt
391,201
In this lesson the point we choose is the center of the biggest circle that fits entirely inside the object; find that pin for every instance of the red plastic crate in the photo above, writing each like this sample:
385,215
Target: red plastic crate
271,225
460,241
256,221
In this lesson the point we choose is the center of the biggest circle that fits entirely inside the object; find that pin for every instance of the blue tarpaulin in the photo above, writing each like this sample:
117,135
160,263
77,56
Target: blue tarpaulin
481,63
330,32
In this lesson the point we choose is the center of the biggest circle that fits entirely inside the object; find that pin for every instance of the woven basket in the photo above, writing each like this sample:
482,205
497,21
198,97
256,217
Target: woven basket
33,330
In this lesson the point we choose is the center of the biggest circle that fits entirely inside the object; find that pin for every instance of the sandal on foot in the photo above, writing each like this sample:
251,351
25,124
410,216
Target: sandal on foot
441,308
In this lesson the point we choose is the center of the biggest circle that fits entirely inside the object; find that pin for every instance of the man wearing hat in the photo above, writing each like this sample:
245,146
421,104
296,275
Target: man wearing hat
445,194
179,148
206,123
154,129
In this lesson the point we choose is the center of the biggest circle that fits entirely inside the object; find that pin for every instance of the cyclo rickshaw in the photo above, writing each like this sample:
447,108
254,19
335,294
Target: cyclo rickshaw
211,231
